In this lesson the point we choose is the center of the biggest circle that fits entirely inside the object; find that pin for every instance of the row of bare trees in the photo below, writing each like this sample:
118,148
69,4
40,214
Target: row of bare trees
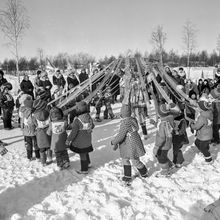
159,37
14,21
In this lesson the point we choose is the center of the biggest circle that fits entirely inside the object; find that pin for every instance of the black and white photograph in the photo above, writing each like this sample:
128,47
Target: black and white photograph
109,110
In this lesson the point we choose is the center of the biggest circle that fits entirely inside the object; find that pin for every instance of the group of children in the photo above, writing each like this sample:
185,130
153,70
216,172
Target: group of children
45,132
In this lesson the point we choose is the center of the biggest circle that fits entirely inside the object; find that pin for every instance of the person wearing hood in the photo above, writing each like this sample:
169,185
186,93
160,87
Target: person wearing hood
130,145
80,137
203,127
41,121
83,76
27,86
28,126
163,140
59,80
72,80
2,81
45,86
7,104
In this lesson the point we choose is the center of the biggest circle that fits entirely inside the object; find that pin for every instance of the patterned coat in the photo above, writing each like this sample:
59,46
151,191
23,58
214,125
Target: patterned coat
81,134
128,139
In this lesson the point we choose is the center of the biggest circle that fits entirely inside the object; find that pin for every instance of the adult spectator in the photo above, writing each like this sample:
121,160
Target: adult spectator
2,81
36,81
27,86
83,76
44,87
59,80
72,80
199,86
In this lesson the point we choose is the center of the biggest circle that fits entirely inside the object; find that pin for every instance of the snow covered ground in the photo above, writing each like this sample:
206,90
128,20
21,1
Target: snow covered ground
30,191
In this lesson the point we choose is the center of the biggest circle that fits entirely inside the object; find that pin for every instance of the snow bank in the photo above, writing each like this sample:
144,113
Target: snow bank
30,191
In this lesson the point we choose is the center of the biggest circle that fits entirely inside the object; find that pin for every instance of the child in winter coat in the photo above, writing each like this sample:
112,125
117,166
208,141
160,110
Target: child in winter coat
179,138
80,138
41,120
57,131
130,144
163,140
28,127
108,100
7,104
203,127
97,101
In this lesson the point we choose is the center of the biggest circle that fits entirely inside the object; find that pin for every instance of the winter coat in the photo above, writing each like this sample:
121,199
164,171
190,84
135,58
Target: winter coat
203,126
163,140
27,87
81,134
41,121
44,85
59,81
83,77
129,140
7,101
72,80
216,112
27,121
57,131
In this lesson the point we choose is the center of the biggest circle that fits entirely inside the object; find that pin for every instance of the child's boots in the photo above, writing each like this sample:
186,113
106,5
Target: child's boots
127,173
143,171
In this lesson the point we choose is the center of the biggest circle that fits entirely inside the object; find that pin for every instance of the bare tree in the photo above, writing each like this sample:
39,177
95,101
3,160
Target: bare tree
158,39
218,45
13,23
189,40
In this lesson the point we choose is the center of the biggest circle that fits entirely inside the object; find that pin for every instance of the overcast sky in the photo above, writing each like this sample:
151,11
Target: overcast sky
111,27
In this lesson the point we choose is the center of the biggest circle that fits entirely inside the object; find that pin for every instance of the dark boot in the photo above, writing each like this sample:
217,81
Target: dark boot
43,158
127,173
29,154
84,167
143,171
88,160
37,154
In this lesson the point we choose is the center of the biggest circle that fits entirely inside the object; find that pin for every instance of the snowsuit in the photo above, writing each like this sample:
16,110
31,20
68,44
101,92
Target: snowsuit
29,132
163,141
130,144
179,138
81,138
41,120
7,104
57,131
203,127
59,81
